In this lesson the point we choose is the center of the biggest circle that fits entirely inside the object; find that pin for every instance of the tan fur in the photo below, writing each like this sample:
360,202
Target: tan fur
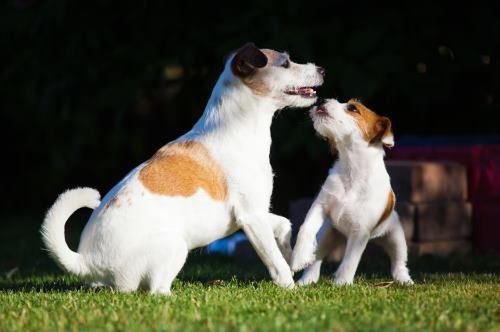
181,168
257,82
391,201
370,122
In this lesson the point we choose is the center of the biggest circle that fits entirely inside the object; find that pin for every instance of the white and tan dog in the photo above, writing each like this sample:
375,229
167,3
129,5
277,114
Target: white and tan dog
207,184
356,198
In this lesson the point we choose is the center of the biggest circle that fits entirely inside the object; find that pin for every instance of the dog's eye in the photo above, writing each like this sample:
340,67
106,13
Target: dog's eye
352,108
286,64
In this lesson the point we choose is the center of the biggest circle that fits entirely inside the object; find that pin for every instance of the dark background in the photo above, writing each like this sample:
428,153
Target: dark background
92,89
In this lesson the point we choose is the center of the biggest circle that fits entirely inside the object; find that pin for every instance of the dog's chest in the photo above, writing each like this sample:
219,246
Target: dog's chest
249,174
350,204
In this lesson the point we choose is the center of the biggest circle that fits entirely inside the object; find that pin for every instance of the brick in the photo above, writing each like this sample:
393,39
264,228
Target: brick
422,182
443,221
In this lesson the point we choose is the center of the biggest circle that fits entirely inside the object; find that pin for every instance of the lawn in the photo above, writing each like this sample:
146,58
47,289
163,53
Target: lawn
217,293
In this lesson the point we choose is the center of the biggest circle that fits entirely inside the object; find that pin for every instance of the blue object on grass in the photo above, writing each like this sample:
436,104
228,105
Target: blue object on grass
227,245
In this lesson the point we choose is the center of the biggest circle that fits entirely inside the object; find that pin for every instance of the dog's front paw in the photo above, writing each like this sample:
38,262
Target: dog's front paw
302,257
285,281
308,278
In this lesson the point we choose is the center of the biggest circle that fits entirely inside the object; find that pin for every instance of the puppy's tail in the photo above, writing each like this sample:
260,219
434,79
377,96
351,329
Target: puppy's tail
53,227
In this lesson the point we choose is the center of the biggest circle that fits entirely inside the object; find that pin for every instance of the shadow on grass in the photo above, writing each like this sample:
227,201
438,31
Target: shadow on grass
219,271
51,283
20,250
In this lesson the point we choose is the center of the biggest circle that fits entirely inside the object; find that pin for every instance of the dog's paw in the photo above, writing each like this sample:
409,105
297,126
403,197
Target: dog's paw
342,282
285,282
302,257
308,279
402,277
404,280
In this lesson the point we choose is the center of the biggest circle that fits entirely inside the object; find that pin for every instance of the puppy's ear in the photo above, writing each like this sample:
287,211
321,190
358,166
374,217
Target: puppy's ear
383,132
247,60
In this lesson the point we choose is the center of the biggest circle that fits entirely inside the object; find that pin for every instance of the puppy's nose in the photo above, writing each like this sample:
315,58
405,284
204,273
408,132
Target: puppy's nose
321,71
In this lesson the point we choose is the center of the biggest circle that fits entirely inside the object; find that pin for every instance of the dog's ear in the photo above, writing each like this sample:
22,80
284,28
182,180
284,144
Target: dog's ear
247,60
383,132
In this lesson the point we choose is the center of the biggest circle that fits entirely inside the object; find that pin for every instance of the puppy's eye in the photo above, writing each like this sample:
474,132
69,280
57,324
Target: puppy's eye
286,64
352,108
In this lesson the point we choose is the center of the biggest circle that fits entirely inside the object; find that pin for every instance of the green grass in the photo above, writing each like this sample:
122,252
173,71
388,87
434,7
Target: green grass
222,294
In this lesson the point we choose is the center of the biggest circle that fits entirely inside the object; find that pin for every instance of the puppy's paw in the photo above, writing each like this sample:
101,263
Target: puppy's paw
302,256
401,276
308,278
404,280
407,282
342,281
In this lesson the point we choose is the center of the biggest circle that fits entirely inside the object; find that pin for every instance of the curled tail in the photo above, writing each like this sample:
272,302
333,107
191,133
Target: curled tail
53,227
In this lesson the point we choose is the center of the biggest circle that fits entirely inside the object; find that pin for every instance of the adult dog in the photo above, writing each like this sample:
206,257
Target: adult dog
207,184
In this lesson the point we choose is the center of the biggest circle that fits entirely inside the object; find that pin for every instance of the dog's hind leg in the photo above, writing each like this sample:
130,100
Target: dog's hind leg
127,281
166,265
394,244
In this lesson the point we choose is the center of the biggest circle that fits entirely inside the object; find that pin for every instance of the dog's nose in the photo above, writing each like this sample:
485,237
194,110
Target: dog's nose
321,71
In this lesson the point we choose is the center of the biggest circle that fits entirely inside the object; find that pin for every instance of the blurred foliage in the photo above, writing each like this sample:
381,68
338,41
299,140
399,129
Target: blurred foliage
91,89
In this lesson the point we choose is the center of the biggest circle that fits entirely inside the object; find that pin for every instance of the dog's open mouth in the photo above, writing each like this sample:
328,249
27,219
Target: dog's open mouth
307,92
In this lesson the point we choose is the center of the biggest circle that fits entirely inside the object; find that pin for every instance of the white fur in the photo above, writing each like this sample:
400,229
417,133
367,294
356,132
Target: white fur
145,243
351,200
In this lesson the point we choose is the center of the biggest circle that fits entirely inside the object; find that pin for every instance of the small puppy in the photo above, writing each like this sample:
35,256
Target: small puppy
356,198
207,184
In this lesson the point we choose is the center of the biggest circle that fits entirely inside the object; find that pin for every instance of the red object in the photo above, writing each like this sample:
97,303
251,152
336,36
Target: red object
483,177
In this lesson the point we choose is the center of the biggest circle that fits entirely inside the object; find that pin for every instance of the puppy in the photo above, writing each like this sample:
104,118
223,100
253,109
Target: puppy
356,198
207,184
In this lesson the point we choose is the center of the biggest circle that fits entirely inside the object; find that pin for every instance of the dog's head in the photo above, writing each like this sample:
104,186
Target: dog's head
273,75
351,122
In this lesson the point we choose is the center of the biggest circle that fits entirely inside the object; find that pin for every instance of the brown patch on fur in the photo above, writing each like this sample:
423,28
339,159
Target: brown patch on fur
333,148
181,168
373,126
247,60
257,84
391,201
249,64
